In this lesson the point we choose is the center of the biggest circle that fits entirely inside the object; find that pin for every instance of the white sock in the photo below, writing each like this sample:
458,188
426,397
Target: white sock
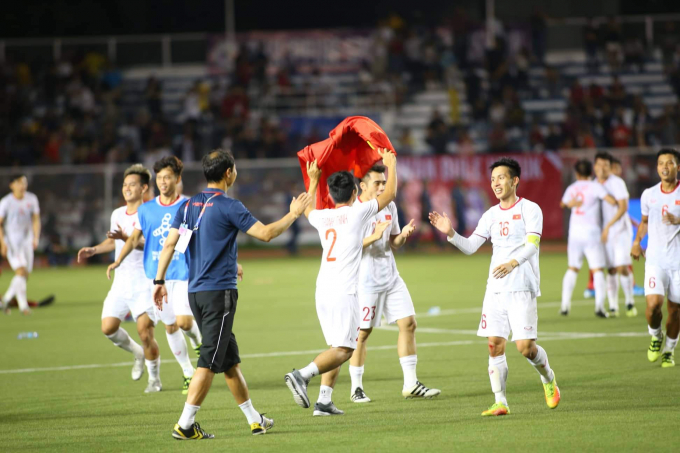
600,290
356,373
154,368
11,291
178,346
658,333
188,416
408,366
325,393
251,414
194,335
627,285
541,365
613,291
309,371
568,284
20,287
498,375
123,340
670,344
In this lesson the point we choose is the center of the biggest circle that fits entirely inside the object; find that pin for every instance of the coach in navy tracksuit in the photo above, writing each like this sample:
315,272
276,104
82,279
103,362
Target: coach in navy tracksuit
205,229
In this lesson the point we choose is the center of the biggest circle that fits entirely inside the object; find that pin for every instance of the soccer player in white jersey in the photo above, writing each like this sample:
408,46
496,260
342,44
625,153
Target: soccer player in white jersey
19,237
130,292
617,235
583,197
337,306
383,292
155,219
661,217
514,226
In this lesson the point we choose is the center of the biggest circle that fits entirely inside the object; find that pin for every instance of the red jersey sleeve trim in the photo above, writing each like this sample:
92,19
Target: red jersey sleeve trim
533,232
505,209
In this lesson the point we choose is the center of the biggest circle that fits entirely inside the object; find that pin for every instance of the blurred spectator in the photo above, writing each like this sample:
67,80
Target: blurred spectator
153,93
498,140
553,141
634,53
613,38
591,44
539,31
621,134
437,133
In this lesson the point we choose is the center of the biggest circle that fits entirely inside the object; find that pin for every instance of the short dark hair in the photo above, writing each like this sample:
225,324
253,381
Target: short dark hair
139,170
376,168
584,168
616,160
670,151
604,155
341,185
171,162
16,176
216,164
512,164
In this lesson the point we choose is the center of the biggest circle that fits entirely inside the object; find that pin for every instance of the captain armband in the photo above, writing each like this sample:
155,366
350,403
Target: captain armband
533,239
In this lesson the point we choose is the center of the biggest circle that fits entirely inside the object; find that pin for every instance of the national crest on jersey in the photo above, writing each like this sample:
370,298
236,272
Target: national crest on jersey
508,229
155,220
663,246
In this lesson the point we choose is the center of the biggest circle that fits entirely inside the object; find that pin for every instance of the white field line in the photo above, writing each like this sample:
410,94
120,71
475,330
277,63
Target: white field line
543,335
473,310
243,356
549,336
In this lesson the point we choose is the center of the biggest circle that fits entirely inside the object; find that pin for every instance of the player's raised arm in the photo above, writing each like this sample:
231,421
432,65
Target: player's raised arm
390,193
268,232
466,245
131,244
314,173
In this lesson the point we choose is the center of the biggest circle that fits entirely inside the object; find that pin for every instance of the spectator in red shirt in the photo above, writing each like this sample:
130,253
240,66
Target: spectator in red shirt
577,94
621,134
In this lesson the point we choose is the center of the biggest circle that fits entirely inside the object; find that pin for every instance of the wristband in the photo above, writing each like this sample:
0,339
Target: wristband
158,282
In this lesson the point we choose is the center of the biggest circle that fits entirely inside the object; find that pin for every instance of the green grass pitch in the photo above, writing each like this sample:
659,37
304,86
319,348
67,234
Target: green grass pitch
613,399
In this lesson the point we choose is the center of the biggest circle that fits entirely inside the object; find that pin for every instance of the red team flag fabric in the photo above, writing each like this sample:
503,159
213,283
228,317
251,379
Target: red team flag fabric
352,146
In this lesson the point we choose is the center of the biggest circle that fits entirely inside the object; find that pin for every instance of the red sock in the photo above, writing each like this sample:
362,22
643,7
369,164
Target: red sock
591,285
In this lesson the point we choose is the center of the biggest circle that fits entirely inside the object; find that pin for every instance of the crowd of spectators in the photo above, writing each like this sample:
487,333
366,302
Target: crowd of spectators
72,111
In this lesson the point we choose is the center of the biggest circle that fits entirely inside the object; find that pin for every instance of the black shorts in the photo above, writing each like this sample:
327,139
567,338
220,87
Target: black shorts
214,313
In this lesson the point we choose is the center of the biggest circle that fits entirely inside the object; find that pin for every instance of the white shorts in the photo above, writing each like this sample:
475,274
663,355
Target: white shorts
662,282
593,250
339,318
394,304
20,255
124,298
177,303
618,250
514,312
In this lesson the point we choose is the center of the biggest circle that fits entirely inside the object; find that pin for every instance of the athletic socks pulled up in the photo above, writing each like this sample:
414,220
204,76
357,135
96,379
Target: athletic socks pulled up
249,411
408,366
568,284
188,417
600,285
325,394
498,375
356,373
541,364
178,346
309,371
123,340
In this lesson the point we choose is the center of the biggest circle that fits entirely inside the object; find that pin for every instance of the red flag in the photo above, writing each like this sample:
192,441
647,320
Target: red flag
352,146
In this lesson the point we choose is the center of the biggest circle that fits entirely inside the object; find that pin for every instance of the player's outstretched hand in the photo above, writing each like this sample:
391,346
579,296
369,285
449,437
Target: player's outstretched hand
300,203
388,157
239,272
380,228
117,234
313,171
113,266
85,253
442,223
636,251
160,295
408,229
504,269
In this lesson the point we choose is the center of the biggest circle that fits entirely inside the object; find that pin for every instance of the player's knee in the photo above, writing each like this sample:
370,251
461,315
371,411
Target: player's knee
365,333
612,271
408,325
109,329
673,309
623,270
496,349
172,328
22,272
527,349
145,335
184,324
575,269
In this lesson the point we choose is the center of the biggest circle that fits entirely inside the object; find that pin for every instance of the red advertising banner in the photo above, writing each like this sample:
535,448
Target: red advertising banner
461,186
